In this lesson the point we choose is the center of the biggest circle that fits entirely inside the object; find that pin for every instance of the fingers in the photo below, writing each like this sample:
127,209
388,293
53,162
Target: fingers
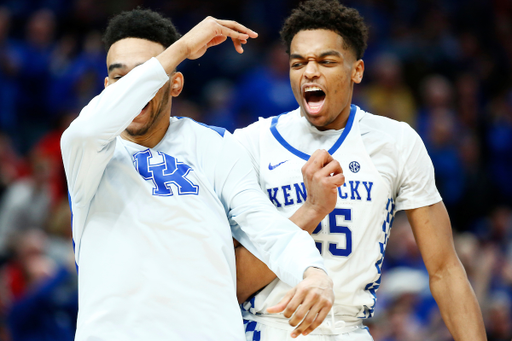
319,158
320,317
234,30
229,28
283,303
308,303
311,312
321,165
238,45
238,27
216,41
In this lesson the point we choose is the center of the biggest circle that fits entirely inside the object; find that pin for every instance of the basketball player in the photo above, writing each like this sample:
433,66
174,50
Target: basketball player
386,169
153,197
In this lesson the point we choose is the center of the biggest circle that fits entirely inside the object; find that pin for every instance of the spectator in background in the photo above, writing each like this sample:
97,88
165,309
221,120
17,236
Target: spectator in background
48,149
218,96
388,95
264,90
36,54
9,72
499,141
469,43
12,165
26,202
500,319
41,294
75,75
438,125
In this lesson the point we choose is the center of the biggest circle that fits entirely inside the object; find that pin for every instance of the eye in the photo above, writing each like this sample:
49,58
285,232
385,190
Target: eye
296,65
117,77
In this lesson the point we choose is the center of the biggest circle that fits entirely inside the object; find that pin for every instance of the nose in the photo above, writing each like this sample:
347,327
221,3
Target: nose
312,70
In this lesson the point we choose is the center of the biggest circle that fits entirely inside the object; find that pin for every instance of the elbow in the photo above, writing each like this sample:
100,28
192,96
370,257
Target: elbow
451,271
77,135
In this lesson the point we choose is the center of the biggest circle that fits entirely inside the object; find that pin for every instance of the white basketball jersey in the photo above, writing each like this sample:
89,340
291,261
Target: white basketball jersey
353,237
152,226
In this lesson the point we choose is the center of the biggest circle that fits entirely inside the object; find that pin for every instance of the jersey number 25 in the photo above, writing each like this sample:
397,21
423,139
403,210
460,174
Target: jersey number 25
334,216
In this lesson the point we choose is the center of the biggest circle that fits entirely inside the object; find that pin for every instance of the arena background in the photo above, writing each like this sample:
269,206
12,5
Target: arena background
443,66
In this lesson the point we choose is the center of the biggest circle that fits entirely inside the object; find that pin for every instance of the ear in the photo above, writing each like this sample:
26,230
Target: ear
106,82
177,82
357,71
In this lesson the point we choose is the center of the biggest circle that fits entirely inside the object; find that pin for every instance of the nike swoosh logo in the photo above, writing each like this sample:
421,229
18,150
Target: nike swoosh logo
271,167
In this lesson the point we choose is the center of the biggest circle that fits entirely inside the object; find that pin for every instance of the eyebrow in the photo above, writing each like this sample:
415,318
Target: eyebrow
322,55
119,66
116,66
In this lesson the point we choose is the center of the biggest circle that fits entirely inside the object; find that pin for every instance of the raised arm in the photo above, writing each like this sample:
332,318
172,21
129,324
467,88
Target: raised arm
448,280
88,144
209,32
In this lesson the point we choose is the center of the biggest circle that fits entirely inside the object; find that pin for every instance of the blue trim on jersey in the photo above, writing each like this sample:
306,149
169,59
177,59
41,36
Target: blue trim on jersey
72,239
386,229
250,330
305,156
219,130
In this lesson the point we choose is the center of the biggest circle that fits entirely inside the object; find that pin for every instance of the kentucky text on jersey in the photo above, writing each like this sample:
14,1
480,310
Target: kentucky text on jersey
296,193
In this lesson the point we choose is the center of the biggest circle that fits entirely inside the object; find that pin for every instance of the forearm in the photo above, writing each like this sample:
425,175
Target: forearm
173,56
109,113
458,304
251,274
307,218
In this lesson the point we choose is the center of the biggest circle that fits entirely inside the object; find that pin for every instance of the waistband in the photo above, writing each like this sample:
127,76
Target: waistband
332,325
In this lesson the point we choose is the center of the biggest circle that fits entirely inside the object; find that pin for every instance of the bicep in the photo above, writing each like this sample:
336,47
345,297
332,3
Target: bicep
433,233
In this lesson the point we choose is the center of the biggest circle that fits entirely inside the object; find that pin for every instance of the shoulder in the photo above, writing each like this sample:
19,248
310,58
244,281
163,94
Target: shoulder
385,129
265,123
189,125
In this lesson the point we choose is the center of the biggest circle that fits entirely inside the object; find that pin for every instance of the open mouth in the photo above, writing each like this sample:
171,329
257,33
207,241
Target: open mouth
144,110
315,98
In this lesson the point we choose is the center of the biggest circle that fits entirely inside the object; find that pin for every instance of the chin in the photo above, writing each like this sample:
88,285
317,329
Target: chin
136,129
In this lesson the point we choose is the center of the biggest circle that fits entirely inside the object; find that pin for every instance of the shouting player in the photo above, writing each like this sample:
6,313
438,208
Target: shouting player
386,169
152,197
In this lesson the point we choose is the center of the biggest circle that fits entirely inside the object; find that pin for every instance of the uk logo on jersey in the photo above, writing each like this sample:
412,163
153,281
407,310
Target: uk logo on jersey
164,170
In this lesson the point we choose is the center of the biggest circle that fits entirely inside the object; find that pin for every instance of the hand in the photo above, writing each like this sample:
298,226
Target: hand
211,32
322,177
315,297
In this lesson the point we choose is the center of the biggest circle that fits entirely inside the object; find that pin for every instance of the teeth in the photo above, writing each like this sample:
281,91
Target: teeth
312,88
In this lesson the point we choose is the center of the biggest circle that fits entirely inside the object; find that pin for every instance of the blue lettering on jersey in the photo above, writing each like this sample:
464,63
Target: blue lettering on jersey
342,194
368,185
300,193
273,197
353,189
287,201
163,174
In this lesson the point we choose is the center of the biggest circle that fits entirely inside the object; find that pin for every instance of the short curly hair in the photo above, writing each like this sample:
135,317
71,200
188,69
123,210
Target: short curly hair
140,23
327,15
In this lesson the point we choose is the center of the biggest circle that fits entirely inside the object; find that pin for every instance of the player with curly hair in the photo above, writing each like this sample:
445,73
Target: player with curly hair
155,199
386,169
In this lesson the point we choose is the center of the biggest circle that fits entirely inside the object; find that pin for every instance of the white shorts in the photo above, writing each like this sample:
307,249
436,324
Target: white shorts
257,331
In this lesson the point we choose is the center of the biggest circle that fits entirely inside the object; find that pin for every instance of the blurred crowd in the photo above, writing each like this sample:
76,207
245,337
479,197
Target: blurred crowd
443,66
